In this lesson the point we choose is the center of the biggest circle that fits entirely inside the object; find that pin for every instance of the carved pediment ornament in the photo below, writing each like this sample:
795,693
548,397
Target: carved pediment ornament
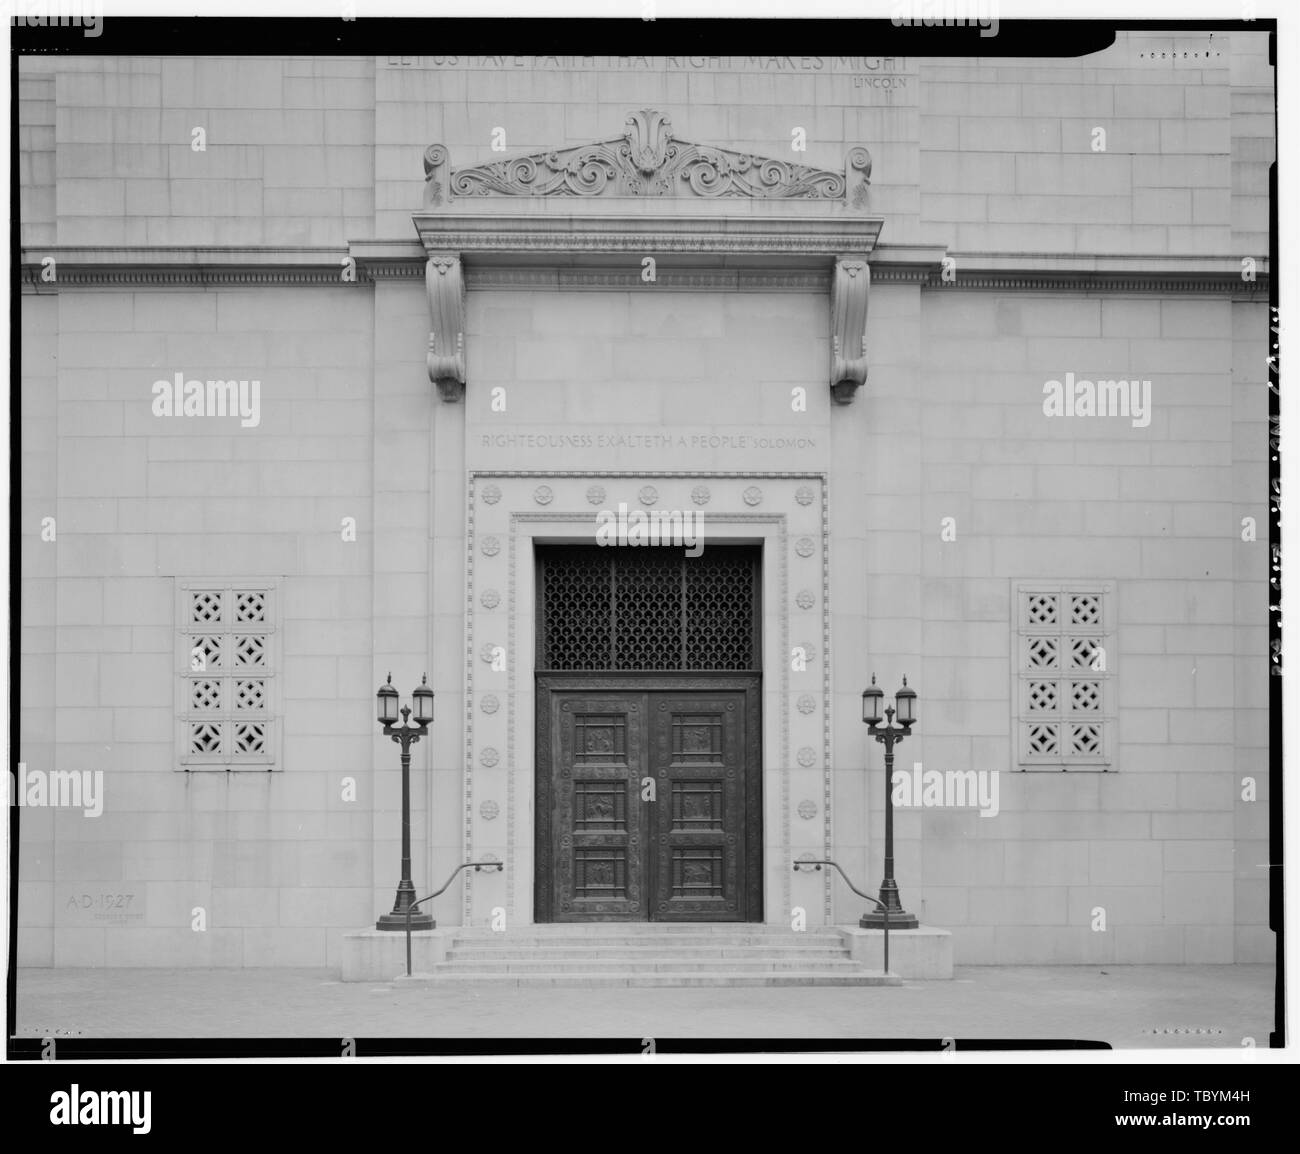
446,358
648,161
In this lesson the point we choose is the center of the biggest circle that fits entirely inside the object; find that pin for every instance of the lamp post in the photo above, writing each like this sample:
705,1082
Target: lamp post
405,735
889,735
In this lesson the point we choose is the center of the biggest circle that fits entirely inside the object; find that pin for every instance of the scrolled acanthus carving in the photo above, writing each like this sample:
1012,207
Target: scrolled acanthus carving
435,156
859,162
850,287
446,359
649,161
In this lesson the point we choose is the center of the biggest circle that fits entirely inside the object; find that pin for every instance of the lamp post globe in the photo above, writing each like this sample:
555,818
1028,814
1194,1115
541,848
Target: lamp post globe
387,699
872,697
422,701
905,704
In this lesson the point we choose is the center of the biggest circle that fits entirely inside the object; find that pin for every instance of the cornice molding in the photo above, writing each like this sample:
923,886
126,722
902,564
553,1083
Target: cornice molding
140,276
117,268
478,235
667,279
1073,272
1110,282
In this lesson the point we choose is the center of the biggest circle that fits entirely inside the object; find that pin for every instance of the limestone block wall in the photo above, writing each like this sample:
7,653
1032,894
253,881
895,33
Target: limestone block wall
1163,842
980,156
286,156
994,155
278,861
714,365
1158,144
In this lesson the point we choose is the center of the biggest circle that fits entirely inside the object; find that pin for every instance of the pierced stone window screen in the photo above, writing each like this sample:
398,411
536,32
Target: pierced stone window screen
1063,690
227,662
647,608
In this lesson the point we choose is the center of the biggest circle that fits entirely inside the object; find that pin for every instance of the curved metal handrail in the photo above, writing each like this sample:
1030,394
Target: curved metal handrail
828,861
476,866
817,864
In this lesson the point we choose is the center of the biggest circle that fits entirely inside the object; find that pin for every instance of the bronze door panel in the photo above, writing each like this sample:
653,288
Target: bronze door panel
598,819
648,802
697,755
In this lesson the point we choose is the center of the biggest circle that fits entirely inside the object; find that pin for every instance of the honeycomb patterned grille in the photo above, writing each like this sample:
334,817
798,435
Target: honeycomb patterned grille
621,609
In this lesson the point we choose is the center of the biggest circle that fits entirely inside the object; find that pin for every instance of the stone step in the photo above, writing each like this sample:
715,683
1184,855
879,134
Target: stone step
559,933
860,977
676,942
643,965
632,953
602,928
614,954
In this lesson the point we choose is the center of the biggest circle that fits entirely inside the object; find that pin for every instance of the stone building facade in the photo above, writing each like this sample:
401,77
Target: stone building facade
819,302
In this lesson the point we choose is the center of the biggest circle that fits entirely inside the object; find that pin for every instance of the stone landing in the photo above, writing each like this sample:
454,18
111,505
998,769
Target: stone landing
924,953
373,955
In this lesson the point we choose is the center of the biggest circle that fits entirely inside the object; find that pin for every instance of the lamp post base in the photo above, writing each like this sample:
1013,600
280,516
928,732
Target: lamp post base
397,922
898,920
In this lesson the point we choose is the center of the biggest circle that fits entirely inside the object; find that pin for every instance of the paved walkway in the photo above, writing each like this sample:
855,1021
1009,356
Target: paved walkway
1126,1006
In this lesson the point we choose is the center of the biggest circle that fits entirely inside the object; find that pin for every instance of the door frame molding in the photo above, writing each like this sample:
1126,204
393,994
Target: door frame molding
499,707
750,684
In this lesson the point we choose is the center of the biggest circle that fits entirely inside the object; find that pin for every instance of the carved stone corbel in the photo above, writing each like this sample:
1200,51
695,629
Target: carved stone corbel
435,159
850,286
857,176
446,358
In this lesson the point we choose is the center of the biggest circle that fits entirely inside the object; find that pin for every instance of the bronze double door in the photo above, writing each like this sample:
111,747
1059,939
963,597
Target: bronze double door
648,798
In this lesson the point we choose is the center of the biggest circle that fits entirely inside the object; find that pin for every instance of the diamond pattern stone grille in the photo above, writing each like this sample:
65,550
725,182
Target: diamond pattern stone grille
225,704
205,738
250,694
205,654
647,608
1085,696
1042,696
250,606
1042,609
1043,740
1085,740
250,737
250,649
1084,652
1085,609
205,607
1042,652
1064,713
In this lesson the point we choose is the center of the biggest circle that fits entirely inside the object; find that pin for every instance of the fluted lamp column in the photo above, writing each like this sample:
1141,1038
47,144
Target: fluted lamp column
405,735
889,735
